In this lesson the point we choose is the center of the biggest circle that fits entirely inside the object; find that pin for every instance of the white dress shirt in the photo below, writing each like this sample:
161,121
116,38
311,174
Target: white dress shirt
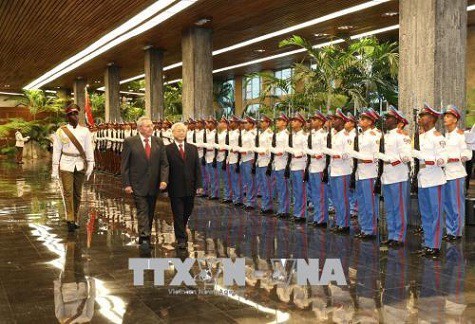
456,150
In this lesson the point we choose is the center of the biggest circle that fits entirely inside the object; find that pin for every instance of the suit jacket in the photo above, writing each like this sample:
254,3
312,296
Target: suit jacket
142,174
185,174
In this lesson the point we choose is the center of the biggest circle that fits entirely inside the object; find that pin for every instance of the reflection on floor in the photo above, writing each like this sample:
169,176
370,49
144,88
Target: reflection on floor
46,275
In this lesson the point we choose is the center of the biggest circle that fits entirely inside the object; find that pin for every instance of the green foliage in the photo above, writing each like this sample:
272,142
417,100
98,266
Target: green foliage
10,150
98,105
130,111
470,117
357,73
172,99
223,94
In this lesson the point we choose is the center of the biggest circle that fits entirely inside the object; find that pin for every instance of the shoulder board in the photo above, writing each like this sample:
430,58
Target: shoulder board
287,131
372,132
269,131
461,132
437,133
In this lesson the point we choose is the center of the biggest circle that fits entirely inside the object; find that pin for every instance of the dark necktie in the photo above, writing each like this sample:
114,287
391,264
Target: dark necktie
182,153
147,148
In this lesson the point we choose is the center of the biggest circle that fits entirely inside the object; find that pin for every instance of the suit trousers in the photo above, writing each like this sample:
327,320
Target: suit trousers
182,207
72,192
145,211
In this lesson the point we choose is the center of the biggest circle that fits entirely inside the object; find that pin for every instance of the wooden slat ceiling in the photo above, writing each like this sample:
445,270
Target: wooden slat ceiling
35,35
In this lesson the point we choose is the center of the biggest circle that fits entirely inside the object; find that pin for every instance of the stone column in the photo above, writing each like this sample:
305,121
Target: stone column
238,96
432,47
111,82
197,97
154,83
79,87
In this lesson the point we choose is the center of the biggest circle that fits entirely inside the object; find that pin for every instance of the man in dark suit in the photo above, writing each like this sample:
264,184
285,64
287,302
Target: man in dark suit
144,170
185,172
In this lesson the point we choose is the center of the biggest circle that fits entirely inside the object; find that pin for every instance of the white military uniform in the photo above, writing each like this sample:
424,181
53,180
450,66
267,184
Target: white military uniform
456,150
281,143
66,155
319,141
397,147
265,142
341,164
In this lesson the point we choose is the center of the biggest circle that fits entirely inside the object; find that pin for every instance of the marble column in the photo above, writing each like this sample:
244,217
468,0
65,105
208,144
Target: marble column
79,88
432,47
112,86
197,97
154,101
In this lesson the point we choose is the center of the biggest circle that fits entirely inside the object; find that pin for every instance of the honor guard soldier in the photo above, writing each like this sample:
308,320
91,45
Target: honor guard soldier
167,136
297,167
431,180
366,173
264,182
340,171
318,193
351,128
213,185
455,173
247,160
200,140
73,162
279,160
190,131
233,160
395,177
221,156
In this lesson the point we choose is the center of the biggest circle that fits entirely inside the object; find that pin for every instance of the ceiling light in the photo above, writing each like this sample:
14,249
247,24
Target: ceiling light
345,27
309,23
112,39
321,35
202,21
11,93
471,8
301,50
6,86
173,81
259,50
50,91
390,14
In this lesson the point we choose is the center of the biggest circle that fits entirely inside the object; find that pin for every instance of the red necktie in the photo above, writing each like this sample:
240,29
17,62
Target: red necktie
182,153
147,148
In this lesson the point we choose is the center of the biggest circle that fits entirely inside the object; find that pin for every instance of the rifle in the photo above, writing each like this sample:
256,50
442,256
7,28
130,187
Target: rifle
289,160
378,189
272,155
309,158
325,176
205,141
216,141
226,141
238,169
417,146
356,147
256,155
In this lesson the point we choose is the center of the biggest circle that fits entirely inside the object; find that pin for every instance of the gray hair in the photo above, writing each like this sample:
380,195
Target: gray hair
142,119
179,124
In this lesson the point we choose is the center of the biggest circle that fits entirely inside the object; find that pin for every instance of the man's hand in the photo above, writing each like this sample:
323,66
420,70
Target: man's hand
89,172
199,191
163,185
128,190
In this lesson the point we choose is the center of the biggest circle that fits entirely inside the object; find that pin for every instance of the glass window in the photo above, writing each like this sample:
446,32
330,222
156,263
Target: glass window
252,109
253,88
284,74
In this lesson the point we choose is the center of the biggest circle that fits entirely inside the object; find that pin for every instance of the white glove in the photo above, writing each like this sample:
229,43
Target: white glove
55,174
90,167
382,156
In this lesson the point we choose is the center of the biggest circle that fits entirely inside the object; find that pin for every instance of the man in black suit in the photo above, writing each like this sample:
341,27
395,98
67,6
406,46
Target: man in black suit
185,172
144,170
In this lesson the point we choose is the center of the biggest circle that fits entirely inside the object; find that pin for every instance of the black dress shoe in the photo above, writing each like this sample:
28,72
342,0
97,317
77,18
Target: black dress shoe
284,216
365,236
387,242
76,225
145,246
267,212
358,235
213,198
320,225
238,204
432,252
71,227
396,244
421,251
248,208
226,201
182,246
343,230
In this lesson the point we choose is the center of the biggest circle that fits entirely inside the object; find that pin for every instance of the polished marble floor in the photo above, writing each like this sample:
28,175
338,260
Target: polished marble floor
48,276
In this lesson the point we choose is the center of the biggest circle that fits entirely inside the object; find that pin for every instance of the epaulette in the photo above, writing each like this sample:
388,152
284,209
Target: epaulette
403,132
437,133
287,131
269,130
460,131
372,132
